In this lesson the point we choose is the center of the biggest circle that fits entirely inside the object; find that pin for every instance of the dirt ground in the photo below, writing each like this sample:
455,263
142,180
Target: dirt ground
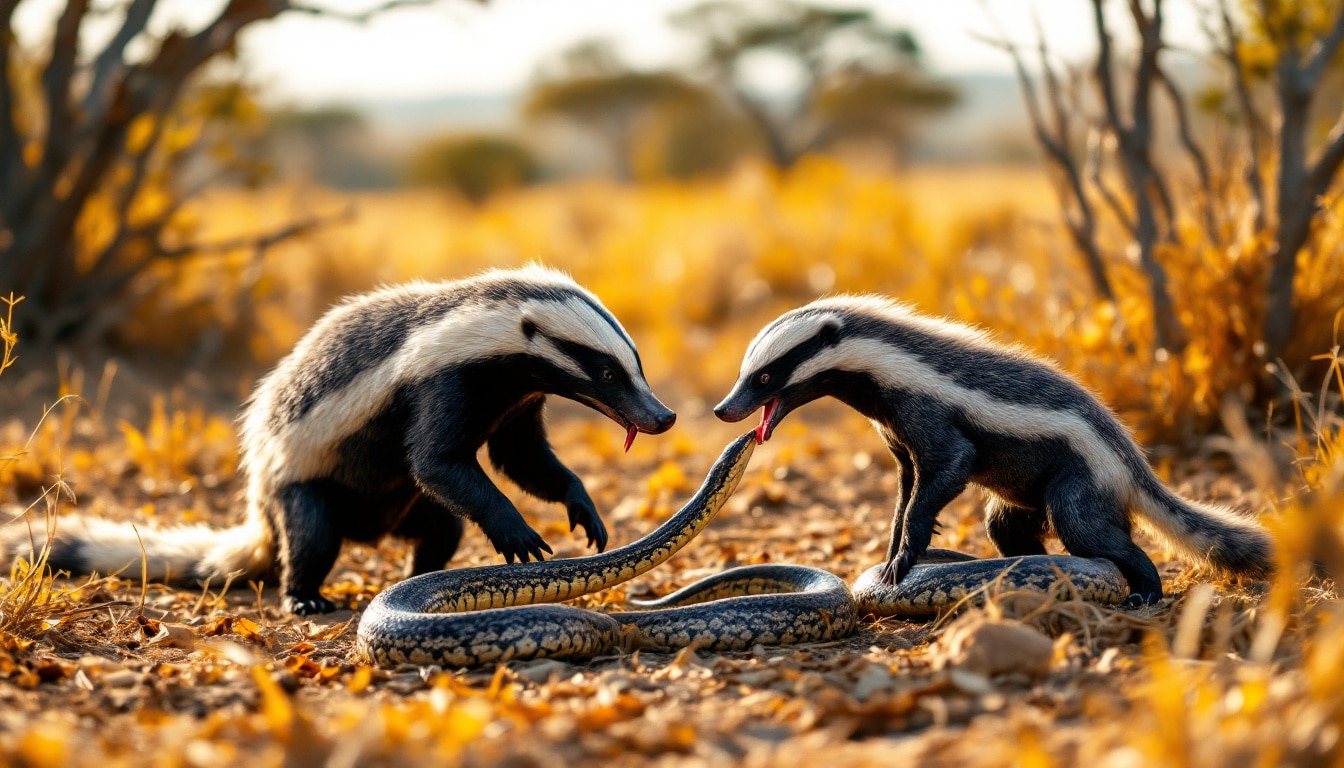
107,672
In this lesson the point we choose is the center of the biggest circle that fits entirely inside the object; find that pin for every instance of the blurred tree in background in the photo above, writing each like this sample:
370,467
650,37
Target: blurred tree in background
100,149
858,77
474,165
330,145
593,87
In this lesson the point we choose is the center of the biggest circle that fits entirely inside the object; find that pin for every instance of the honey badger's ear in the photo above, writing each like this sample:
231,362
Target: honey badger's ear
829,332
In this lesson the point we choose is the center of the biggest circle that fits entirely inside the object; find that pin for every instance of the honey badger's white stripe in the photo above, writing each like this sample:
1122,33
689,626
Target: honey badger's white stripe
793,328
895,368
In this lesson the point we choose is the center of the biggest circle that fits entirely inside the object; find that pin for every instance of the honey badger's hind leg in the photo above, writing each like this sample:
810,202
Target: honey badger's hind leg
434,531
309,544
1091,522
1015,531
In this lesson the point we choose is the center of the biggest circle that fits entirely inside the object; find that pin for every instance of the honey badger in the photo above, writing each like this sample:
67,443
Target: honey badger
954,407
372,424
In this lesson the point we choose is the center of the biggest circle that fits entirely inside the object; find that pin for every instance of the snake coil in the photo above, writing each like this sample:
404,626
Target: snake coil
495,613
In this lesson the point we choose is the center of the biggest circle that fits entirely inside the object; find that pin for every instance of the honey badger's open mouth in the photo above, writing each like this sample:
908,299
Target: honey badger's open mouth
768,420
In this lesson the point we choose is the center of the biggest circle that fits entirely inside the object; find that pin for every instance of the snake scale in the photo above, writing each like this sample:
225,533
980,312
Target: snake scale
489,614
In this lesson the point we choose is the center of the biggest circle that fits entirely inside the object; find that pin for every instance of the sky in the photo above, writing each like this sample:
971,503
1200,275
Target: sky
460,48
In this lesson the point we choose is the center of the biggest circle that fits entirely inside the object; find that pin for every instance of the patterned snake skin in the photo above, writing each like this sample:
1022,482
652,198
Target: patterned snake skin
490,614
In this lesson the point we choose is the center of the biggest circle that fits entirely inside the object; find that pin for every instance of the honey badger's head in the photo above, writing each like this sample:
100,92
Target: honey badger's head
790,363
590,358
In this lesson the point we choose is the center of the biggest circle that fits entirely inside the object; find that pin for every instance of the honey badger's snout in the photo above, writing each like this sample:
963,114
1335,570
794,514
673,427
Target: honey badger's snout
736,407
662,420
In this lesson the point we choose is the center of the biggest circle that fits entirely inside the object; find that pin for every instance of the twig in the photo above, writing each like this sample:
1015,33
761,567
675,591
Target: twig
358,17
144,569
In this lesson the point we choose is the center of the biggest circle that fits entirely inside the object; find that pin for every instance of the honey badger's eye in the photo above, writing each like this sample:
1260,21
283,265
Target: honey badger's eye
608,375
764,378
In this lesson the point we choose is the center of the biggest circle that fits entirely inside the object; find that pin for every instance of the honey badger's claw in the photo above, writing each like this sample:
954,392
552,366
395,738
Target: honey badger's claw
307,606
519,543
583,514
896,569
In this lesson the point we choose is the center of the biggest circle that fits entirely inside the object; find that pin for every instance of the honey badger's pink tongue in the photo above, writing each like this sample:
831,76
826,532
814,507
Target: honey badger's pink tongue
630,437
763,429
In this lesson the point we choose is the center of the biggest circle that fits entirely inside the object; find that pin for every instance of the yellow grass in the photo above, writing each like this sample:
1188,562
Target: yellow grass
694,269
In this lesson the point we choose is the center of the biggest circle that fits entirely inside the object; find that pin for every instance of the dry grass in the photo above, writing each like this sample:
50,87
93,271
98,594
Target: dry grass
103,673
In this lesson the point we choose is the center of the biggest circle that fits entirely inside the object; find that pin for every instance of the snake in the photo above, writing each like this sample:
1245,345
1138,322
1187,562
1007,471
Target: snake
471,617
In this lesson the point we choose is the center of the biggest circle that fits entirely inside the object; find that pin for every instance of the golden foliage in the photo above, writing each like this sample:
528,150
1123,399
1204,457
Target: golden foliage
694,269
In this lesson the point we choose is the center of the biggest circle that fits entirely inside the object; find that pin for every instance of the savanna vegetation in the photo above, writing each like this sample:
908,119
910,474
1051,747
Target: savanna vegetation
120,403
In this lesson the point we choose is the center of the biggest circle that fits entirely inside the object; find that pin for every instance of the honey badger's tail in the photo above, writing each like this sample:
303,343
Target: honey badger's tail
1205,533
181,553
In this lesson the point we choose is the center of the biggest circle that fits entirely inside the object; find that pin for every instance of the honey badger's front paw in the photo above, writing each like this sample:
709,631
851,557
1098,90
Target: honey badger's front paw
307,606
583,514
517,541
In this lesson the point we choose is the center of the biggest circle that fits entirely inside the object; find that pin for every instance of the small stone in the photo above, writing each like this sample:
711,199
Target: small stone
989,648
876,678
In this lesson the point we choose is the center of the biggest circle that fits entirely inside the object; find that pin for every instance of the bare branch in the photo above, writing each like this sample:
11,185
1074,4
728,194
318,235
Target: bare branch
1192,149
110,62
358,17
1075,206
1321,53
780,154
1095,153
11,149
1102,70
1256,126
98,291
1327,162
56,79
126,197
258,242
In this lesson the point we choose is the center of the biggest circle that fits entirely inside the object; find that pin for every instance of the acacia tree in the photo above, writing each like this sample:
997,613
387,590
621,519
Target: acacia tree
591,85
1117,130
859,77
80,127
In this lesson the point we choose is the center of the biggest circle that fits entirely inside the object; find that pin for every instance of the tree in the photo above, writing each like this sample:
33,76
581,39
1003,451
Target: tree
474,165
859,76
1294,43
1304,41
591,86
81,128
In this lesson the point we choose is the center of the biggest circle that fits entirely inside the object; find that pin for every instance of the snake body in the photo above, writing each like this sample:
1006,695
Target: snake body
490,614
945,579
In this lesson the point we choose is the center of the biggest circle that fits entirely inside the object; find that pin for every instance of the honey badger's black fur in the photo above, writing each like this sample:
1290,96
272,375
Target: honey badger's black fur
372,424
955,408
